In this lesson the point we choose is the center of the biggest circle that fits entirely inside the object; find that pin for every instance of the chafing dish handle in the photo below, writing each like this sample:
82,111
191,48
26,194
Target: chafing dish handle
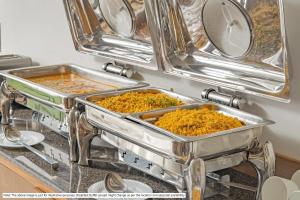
85,132
6,98
195,178
263,160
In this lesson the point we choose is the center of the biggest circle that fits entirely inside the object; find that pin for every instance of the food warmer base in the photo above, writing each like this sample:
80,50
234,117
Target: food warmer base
190,176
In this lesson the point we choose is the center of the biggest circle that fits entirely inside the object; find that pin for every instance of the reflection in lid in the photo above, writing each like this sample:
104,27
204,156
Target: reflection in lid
118,16
227,27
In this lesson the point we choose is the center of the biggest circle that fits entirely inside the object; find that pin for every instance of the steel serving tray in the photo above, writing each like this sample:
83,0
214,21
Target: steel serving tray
16,79
138,131
88,100
117,122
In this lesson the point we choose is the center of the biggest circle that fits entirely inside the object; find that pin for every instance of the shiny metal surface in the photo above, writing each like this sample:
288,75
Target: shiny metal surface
176,30
187,51
223,98
73,118
172,171
16,79
13,61
119,70
263,159
85,132
115,184
131,134
101,117
225,181
6,97
116,29
195,178
207,145
56,106
14,136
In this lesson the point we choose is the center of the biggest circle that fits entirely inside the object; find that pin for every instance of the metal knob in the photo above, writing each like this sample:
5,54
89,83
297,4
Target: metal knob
119,70
225,99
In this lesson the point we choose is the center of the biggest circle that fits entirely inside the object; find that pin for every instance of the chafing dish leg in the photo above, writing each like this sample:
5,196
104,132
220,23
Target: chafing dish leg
263,160
195,178
85,133
72,120
6,97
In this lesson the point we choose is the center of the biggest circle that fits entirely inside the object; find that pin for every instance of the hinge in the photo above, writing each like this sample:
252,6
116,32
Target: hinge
119,69
222,98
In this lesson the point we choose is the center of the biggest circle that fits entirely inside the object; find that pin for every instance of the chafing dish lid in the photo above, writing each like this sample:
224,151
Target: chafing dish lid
237,45
115,29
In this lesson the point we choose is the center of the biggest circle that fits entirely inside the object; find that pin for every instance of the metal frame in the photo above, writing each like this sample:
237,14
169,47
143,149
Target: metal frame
189,176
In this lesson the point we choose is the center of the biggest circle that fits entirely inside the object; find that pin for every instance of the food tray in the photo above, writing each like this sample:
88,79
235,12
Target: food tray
16,79
87,100
251,121
146,135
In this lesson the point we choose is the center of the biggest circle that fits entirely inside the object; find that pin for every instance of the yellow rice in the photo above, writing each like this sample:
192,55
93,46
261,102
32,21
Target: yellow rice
197,122
133,102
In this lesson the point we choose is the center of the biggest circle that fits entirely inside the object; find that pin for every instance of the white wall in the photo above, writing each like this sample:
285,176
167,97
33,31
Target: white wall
39,29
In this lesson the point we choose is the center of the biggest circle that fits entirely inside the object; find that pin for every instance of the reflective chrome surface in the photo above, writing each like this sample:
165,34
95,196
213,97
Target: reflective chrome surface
14,135
6,97
85,132
58,110
206,146
16,79
172,158
176,173
188,52
263,160
115,29
195,176
101,117
236,45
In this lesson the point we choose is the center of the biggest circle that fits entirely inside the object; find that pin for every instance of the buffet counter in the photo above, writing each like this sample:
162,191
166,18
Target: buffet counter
70,177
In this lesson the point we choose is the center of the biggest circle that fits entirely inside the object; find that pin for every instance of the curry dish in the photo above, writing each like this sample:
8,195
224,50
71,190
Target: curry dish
71,83
133,102
196,122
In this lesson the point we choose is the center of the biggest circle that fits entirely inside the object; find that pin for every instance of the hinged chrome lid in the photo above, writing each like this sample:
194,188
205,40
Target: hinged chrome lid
116,29
238,45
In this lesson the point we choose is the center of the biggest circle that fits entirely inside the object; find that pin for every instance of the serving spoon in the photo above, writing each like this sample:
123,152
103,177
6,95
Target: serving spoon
14,136
114,183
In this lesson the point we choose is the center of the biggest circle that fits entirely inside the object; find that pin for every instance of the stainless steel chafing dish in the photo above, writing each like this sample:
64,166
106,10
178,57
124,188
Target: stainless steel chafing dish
54,106
164,154
103,117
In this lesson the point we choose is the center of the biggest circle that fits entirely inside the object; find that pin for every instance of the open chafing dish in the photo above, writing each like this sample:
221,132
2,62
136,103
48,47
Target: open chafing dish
237,46
166,155
54,104
102,117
